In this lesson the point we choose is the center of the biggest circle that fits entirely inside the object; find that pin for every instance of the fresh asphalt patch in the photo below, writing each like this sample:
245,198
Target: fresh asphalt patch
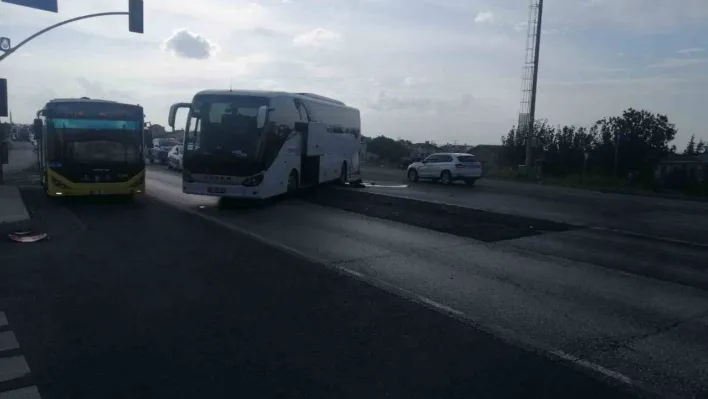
466,222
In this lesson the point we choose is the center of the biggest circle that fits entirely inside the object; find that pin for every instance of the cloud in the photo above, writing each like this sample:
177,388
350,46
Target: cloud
484,16
386,103
96,90
679,62
316,38
412,82
186,44
692,50
404,61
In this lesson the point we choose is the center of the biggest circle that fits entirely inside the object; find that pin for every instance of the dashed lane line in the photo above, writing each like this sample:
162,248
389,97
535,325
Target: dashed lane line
8,341
13,367
22,393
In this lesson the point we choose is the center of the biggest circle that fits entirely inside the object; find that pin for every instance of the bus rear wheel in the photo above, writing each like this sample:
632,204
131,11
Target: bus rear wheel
343,175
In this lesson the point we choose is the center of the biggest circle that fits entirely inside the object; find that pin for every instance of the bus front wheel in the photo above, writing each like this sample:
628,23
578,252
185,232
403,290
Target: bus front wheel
293,182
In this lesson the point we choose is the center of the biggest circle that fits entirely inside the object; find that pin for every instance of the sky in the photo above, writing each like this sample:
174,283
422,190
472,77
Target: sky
438,70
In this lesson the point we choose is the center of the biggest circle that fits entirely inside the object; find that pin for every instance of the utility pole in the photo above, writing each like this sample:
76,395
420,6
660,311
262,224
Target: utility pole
617,149
534,32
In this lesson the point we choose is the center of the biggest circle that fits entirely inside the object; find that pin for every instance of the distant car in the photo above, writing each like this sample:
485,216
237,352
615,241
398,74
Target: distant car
446,168
174,158
161,147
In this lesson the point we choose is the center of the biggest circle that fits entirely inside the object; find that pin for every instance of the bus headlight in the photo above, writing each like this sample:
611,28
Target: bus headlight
58,184
253,181
139,182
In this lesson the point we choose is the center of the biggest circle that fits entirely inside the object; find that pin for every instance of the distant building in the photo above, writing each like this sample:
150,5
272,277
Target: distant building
422,150
678,171
488,154
157,130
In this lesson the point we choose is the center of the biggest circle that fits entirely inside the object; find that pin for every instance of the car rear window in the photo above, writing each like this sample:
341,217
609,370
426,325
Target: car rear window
168,142
467,158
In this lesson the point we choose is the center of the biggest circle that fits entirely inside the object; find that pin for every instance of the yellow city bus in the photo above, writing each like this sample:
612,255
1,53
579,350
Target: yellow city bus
91,147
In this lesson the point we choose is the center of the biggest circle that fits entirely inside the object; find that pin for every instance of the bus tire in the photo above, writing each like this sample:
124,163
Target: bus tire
293,182
343,175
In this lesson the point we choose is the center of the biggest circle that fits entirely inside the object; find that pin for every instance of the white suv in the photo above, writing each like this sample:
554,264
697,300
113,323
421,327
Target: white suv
446,167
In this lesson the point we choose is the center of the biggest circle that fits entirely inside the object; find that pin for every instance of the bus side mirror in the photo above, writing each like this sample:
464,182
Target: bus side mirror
4,152
37,128
147,138
173,113
261,117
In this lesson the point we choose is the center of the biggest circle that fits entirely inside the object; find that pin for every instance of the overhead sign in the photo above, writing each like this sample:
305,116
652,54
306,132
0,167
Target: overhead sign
45,5
5,45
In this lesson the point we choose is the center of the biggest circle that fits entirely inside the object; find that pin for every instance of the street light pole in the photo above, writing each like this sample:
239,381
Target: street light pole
22,43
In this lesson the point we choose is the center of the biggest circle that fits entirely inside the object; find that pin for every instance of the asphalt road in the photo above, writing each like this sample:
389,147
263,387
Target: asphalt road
622,306
675,220
144,300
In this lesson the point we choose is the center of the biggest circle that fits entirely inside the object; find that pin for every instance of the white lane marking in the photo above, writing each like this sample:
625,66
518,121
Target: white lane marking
13,367
650,237
22,393
8,341
505,334
596,367
352,272
440,306
3,319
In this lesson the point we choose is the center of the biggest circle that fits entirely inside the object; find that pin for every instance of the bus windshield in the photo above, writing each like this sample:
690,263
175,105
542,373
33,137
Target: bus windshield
96,141
225,125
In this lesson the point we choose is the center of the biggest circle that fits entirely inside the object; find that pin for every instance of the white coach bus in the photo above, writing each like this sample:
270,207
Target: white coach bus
260,144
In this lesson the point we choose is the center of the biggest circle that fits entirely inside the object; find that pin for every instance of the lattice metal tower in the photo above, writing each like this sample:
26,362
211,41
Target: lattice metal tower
529,80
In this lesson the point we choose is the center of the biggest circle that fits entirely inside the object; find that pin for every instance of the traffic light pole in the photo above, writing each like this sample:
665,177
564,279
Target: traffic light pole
22,43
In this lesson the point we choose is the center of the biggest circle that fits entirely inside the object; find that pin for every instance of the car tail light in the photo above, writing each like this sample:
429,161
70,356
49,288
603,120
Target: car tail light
476,164
460,166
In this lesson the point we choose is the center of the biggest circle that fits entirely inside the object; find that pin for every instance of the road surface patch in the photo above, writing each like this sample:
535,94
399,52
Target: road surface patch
465,222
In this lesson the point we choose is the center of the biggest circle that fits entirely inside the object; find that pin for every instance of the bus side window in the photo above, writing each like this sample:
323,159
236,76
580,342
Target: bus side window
193,134
300,110
305,115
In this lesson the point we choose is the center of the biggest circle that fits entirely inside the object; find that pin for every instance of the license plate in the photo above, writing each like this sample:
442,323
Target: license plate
96,192
216,190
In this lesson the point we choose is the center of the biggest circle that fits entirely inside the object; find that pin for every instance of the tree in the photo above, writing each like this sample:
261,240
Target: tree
701,147
643,139
691,147
639,139
387,148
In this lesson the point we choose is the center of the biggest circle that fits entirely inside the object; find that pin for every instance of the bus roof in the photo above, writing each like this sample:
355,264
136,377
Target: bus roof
267,93
85,100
